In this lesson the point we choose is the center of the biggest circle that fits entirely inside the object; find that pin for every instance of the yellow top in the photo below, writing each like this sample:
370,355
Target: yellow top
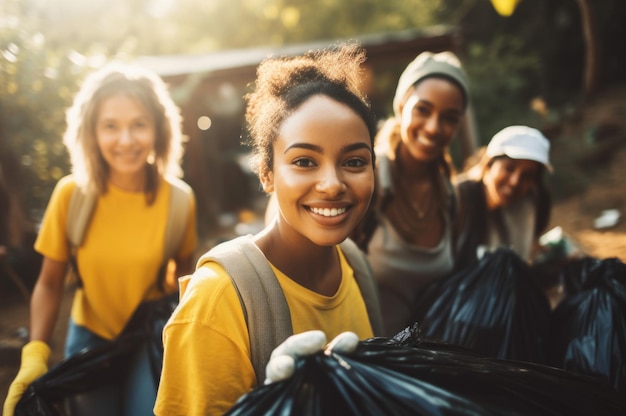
207,366
121,254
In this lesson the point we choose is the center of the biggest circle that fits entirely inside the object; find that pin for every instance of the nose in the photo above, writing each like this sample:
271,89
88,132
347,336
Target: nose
515,179
331,182
125,136
432,126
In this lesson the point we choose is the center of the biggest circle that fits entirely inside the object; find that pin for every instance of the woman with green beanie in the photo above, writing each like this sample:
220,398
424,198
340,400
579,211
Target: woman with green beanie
408,233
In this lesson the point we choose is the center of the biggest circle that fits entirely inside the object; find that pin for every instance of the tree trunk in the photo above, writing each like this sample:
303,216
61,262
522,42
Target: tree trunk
591,69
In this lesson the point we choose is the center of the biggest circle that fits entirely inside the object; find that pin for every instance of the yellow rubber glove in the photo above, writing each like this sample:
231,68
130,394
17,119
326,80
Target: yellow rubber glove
34,364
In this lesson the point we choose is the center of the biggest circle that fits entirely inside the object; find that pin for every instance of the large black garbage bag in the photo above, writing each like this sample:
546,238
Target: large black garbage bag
385,377
588,334
103,365
493,307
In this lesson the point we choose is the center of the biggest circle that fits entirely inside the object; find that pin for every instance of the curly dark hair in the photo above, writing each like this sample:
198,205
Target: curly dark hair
284,83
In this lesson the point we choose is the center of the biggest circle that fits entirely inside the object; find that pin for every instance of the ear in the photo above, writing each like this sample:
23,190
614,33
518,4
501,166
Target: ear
267,180
398,112
401,104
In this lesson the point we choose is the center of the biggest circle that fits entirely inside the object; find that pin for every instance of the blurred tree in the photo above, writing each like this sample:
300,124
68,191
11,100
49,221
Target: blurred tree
156,27
592,19
36,85
590,34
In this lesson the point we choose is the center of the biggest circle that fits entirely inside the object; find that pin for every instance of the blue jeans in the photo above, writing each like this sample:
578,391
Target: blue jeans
134,396
79,338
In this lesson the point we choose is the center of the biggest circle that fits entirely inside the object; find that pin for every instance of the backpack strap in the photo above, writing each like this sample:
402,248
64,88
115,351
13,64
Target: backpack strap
262,299
177,216
365,279
176,225
263,302
82,204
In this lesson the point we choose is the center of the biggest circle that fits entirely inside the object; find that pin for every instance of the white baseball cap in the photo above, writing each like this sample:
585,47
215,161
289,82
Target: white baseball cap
521,142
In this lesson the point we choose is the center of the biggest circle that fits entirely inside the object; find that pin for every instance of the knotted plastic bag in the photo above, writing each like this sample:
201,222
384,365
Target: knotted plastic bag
588,334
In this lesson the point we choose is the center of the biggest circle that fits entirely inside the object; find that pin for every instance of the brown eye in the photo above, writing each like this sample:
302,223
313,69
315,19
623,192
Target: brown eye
421,110
303,163
356,162
452,120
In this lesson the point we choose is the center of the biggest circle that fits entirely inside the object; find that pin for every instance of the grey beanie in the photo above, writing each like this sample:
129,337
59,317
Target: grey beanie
427,64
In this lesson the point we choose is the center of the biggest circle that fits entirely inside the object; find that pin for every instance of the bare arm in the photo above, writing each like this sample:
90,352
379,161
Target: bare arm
46,299
182,267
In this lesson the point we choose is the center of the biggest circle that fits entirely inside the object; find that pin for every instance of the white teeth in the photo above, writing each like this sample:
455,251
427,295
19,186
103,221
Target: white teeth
426,142
328,212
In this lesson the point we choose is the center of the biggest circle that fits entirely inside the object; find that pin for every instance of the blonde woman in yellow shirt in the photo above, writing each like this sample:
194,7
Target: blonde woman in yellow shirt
312,135
123,136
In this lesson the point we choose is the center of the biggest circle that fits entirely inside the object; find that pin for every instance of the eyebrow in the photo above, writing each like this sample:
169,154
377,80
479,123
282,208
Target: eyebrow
318,149
142,117
430,104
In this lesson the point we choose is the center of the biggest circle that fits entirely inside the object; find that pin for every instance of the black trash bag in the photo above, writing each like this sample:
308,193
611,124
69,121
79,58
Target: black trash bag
102,365
493,307
149,320
588,334
387,377
584,273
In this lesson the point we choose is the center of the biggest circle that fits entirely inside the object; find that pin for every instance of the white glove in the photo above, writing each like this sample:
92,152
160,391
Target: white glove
282,363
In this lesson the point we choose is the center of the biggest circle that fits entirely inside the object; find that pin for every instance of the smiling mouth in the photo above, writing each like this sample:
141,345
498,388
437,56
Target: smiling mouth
506,192
328,212
427,143
128,155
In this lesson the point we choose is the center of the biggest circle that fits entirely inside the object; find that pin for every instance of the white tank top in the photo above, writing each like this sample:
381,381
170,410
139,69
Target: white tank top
402,270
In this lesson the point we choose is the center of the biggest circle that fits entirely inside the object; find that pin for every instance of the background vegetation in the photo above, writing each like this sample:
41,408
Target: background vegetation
526,68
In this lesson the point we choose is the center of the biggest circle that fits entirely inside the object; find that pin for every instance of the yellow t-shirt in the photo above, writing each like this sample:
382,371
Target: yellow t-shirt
121,254
207,366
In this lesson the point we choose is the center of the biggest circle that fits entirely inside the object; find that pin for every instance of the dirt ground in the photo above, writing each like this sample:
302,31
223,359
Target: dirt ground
589,150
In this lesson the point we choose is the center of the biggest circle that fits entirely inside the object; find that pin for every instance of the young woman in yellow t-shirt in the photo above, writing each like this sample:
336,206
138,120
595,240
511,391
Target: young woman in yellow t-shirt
312,132
123,136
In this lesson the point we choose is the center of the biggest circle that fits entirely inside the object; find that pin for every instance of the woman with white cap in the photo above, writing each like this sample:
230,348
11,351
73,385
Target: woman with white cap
408,232
502,199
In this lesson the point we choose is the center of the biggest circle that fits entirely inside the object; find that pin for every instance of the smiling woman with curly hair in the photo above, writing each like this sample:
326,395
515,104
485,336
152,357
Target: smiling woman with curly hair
312,132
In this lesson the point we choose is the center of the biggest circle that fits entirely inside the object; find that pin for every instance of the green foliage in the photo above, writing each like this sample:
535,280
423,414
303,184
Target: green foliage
36,85
502,87
199,26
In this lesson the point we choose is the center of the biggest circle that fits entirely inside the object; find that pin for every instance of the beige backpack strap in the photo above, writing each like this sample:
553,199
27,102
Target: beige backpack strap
81,207
262,299
82,204
365,279
177,217
176,225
